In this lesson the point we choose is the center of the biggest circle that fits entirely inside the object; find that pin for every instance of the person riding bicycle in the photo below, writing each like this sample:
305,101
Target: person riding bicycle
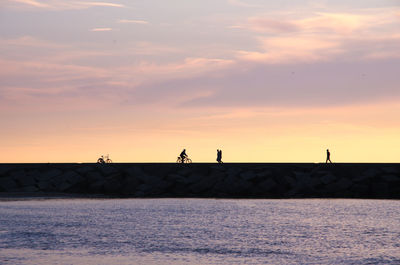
183,155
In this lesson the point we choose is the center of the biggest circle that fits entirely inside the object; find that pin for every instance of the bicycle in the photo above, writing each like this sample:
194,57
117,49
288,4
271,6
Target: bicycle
104,160
185,160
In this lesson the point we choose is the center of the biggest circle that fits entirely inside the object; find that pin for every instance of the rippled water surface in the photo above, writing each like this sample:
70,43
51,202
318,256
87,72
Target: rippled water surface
199,231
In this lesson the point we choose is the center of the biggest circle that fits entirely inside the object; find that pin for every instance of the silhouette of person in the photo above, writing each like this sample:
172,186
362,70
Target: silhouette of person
219,156
328,156
183,155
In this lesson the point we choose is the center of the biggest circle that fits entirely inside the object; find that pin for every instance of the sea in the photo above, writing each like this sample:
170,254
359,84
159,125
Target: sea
199,231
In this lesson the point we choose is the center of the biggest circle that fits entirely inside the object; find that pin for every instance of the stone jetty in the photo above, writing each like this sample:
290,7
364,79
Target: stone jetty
205,180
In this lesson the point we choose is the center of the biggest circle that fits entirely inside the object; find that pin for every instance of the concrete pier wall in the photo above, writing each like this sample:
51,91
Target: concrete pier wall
229,180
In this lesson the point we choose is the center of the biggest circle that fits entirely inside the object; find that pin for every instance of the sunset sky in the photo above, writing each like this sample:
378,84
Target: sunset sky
265,81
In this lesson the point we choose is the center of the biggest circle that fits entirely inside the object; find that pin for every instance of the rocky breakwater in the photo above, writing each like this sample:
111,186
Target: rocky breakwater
250,180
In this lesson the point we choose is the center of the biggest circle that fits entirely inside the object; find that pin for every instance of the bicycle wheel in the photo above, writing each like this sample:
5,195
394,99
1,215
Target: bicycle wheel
179,160
188,160
109,161
100,161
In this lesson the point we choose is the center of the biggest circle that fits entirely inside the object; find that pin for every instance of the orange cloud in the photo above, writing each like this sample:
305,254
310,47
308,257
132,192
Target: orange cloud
101,29
292,50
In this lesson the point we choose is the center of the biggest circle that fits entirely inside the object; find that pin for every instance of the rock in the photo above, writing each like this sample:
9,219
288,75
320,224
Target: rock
185,171
291,181
112,186
94,177
64,186
371,173
106,169
25,180
144,189
130,186
97,187
18,174
391,170
328,178
175,178
45,185
149,179
248,175
342,184
391,178
161,187
234,171
268,185
84,169
72,177
194,178
49,174
204,184
380,189
134,171
361,189
7,184
30,189
4,169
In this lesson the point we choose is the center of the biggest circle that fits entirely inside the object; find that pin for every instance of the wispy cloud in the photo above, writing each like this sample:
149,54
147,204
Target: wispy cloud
101,29
133,21
31,3
240,3
60,4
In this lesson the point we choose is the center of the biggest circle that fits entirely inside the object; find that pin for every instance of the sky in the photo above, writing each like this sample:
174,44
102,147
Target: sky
140,80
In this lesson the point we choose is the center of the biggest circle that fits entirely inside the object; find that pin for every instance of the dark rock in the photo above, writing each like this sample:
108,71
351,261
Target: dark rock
371,173
134,171
328,178
45,185
380,189
130,186
342,184
391,178
185,171
84,169
391,170
18,174
248,175
112,186
94,177
4,169
30,189
175,178
25,180
204,184
97,187
106,169
234,171
267,185
290,181
49,174
72,177
7,184
360,189
194,178
144,189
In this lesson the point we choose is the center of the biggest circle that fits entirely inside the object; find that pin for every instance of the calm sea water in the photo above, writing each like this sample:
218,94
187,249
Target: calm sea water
199,231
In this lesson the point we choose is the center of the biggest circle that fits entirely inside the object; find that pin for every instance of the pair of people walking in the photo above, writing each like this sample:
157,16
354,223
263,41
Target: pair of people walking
219,156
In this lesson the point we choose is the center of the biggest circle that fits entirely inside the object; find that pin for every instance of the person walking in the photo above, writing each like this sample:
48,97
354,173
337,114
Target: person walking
328,156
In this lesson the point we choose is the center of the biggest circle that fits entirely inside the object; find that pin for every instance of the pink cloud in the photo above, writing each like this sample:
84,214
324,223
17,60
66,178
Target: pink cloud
271,25
133,21
59,4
